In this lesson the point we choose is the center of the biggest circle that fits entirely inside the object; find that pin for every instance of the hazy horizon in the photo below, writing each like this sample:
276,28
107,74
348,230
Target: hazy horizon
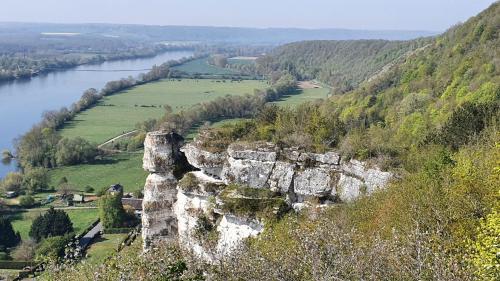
425,15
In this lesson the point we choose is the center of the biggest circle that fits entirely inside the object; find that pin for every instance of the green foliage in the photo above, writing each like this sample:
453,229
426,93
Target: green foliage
341,64
189,182
485,250
36,179
88,189
8,238
51,249
74,151
11,182
52,223
252,202
111,211
26,201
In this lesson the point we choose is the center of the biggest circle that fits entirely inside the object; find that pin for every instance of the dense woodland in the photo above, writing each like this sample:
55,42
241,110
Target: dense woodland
432,119
340,64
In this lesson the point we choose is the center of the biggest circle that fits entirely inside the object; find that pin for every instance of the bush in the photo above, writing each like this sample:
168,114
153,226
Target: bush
89,189
8,238
36,179
52,223
52,248
138,194
111,211
189,182
11,182
4,256
26,201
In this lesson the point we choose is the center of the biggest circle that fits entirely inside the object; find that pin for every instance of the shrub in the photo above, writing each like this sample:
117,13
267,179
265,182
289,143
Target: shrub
138,194
88,189
111,211
52,223
8,238
26,201
52,248
189,182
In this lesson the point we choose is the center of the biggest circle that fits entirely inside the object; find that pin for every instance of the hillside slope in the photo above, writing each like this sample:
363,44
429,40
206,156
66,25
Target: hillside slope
341,64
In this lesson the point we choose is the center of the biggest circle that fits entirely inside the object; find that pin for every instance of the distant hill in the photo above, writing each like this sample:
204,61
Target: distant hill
273,36
341,64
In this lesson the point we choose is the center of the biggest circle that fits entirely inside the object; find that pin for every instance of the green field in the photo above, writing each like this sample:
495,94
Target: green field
303,95
120,112
81,220
103,246
201,66
123,168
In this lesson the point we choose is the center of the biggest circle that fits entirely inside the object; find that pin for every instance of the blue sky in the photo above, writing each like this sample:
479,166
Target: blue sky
436,15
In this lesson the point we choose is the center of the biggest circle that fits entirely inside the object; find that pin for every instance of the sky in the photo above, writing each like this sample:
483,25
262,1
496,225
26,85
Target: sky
431,15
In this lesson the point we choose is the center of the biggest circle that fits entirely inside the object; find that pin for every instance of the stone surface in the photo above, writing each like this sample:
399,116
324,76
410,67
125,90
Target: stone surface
233,230
252,173
282,177
315,181
348,188
161,151
209,162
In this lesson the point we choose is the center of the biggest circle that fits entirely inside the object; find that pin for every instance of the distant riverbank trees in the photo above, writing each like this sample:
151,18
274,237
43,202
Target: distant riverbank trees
13,66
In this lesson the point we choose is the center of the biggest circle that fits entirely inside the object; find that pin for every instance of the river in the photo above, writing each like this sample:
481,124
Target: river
22,102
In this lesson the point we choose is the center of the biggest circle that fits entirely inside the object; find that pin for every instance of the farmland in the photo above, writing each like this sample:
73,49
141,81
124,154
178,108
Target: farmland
123,168
120,112
201,66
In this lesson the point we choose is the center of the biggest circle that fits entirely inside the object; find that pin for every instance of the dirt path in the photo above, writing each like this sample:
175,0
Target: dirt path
117,137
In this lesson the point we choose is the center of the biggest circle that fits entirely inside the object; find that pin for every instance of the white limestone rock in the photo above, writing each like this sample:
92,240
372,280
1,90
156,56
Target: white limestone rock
348,188
233,230
253,173
265,152
161,151
373,178
282,176
313,182
209,162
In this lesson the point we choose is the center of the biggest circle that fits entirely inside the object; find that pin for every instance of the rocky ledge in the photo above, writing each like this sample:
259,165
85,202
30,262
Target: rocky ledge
211,210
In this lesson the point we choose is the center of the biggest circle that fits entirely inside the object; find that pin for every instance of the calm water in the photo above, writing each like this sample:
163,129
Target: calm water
23,102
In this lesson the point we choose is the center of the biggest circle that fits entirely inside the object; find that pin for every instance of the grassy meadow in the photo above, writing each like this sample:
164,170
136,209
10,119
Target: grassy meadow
120,112
81,219
103,247
124,168
201,66
303,95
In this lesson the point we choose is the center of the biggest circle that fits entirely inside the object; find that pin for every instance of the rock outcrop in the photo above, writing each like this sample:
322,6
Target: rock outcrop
161,154
202,210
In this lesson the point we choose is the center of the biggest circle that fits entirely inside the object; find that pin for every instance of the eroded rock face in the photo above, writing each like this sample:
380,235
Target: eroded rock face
173,211
209,162
159,222
161,151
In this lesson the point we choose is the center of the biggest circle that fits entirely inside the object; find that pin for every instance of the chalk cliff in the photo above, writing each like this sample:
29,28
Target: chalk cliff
211,210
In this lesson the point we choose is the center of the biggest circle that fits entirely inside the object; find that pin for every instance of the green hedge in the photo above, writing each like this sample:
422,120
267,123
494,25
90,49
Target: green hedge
14,264
117,230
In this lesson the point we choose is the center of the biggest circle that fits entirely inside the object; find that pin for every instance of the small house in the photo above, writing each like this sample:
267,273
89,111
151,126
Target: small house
115,188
